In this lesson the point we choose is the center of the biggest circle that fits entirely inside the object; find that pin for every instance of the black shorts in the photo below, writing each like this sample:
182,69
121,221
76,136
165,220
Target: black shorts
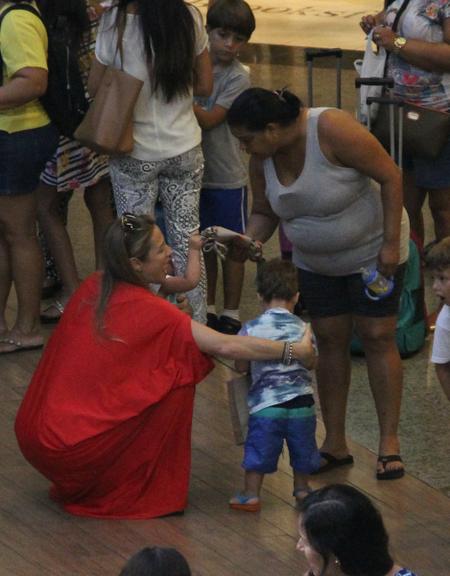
325,296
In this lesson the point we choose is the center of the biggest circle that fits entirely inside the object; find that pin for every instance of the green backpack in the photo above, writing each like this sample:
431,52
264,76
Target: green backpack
411,323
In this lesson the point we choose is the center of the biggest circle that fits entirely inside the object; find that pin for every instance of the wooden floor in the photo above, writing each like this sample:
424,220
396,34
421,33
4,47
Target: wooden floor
37,538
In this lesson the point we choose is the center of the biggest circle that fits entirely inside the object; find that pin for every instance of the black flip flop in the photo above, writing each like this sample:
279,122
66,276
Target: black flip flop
390,474
333,462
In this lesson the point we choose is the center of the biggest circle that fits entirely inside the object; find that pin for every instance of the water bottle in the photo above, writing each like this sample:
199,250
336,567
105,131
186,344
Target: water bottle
377,285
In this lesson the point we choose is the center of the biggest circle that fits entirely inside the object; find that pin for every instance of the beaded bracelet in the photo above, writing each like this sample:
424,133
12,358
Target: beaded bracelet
288,353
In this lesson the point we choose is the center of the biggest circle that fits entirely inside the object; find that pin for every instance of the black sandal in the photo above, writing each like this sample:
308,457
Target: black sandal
390,474
333,462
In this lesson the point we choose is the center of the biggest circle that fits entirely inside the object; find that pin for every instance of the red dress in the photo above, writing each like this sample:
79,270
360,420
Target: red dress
108,419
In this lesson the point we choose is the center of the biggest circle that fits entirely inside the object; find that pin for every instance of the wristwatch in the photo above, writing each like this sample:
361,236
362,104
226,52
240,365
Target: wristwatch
399,42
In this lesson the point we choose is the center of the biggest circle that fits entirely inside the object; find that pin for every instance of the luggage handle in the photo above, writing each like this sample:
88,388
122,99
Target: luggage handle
374,81
392,103
310,55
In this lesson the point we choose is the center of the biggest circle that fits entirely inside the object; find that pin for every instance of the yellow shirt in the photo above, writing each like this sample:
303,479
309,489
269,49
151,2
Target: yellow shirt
23,44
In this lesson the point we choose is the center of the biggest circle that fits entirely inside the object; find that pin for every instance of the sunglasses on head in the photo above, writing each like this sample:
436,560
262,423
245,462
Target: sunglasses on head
130,223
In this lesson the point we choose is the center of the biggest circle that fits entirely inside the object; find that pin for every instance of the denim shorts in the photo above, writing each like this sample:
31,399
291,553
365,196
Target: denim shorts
22,158
326,296
268,428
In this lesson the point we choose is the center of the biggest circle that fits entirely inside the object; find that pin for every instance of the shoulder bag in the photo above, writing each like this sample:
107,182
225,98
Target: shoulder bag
107,127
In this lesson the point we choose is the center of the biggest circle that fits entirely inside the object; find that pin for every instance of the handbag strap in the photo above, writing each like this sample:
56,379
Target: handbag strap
120,32
402,8
394,29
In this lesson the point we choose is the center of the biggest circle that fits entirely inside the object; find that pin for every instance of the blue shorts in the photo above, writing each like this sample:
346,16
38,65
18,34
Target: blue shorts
430,174
23,156
268,428
326,296
227,208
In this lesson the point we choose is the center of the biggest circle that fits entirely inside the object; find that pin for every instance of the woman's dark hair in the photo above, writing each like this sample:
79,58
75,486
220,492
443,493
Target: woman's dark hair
74,11
257,107
234,15
341,521
127,237
169,41
156,562
277,279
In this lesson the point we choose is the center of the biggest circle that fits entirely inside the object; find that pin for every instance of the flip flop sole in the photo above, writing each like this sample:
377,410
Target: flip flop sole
246,507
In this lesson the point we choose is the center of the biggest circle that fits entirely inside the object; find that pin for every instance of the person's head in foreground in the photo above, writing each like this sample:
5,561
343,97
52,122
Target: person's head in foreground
341,532
277,281
156,561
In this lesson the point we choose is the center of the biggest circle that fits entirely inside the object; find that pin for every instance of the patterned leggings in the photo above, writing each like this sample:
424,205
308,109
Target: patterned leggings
176,182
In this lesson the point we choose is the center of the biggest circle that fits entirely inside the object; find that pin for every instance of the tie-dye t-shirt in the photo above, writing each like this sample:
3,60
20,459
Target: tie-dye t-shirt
422,20
273,382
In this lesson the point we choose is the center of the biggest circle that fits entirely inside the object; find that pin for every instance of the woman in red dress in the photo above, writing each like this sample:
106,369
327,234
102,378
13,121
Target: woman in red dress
107,417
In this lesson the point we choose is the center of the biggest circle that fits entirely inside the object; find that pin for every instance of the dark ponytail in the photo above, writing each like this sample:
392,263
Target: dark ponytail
257,107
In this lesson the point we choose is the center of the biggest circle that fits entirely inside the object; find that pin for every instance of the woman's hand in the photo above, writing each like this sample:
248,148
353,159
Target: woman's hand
368,22
384,37
243,248
304,350
388,258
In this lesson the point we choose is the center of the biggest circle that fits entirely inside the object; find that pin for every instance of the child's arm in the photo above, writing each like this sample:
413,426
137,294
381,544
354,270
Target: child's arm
440,355
191,278
443,374
209,119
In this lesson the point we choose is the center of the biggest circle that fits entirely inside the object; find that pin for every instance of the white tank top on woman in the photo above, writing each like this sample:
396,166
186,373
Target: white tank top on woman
161,130
333,215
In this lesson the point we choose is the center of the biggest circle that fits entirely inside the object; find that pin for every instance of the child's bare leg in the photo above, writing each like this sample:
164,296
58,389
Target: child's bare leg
253,483
233,279
248,500
301,486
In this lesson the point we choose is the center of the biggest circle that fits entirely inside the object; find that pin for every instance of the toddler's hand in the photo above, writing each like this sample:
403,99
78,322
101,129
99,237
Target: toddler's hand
196,241
183,304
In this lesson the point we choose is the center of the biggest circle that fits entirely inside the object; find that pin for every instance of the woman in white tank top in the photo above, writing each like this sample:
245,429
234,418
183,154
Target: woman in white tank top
339,197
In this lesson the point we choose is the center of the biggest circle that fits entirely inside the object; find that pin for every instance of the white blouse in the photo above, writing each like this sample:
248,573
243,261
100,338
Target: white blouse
162,130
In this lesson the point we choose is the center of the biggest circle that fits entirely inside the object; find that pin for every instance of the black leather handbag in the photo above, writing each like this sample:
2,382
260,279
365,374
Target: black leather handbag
425,131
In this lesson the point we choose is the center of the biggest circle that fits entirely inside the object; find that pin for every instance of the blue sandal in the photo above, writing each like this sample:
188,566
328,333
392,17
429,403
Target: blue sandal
247,503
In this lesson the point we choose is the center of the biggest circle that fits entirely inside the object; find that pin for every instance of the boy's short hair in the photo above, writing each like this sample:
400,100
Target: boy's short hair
277,279
438,257
234,15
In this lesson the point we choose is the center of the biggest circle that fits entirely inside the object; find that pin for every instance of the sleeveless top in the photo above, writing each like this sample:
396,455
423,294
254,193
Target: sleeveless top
333,215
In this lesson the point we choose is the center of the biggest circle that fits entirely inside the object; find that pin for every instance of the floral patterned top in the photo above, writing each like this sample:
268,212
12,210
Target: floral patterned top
422,20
